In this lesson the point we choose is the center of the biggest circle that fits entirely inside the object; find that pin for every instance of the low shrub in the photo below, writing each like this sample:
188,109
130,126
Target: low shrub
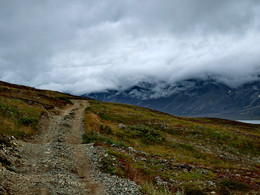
66,100
147,134
28,121
193,191
105,129
93,137
235,185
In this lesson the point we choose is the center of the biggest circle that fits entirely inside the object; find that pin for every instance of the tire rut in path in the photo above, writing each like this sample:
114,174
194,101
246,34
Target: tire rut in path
56,162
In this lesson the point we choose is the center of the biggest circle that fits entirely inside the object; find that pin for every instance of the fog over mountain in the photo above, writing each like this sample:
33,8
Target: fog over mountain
192,97
85,46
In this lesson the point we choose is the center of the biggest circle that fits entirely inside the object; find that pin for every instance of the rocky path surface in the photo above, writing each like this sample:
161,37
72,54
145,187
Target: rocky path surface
56,161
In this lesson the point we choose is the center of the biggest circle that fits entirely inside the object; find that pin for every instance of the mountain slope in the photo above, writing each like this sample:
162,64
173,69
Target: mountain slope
202,155
123,146
199,98
50,158
21,107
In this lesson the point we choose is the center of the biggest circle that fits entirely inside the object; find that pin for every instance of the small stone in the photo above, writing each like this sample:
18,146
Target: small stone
159,181
121,126
211,183
130,148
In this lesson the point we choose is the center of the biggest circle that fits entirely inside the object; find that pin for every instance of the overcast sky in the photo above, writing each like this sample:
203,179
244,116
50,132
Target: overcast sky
81,46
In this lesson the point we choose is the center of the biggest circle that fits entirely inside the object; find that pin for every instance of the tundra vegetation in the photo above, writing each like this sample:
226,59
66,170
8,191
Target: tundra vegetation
21,108
167,154
162,153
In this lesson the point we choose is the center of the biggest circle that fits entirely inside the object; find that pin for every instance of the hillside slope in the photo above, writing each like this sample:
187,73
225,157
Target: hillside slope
193,97
41,150
161,153
21,108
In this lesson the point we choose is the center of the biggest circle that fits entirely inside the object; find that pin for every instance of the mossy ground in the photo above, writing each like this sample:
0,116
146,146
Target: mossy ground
21,107
180,151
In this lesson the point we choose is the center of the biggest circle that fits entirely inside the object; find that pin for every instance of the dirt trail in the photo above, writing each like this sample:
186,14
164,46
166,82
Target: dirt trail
56,162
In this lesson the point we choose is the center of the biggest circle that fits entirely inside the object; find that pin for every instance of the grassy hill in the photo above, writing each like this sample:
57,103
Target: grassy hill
21,108
168,153
162,153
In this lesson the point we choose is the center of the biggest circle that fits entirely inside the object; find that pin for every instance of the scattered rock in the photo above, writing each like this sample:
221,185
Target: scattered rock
160,182
57,163
121,126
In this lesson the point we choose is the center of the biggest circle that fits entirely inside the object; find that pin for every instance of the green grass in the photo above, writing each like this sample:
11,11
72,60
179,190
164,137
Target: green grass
235,185
147,134
21,108
193,191
93,137
18,118
199,144
197,175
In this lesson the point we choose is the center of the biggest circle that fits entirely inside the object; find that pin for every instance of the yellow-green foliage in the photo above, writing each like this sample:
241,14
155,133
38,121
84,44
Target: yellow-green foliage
18,118
21,107
144,126
200,146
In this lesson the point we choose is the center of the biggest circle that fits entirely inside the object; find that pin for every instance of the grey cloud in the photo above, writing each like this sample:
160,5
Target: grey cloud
192,17
86,45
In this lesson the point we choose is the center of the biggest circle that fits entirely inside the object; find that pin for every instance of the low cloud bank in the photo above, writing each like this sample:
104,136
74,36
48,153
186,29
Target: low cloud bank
85,46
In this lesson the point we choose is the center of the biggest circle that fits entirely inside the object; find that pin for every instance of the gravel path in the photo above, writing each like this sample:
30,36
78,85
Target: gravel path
56,161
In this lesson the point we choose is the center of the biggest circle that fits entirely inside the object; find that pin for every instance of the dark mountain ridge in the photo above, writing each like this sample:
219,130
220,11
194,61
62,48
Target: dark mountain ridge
192,97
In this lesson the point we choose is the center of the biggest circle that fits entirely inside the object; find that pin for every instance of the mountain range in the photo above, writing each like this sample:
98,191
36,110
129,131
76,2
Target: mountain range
191,97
